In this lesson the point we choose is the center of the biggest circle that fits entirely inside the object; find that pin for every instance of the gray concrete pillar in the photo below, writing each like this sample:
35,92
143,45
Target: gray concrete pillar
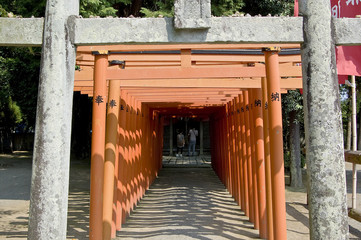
171,136
201,142
50,172
324,140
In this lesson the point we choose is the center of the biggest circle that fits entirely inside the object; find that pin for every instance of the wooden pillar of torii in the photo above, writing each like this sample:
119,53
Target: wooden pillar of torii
252,131
276,143
250,162
260,161
267,160
111,157
98,146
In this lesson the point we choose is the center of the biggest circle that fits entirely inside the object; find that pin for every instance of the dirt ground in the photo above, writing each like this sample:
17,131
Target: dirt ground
15,175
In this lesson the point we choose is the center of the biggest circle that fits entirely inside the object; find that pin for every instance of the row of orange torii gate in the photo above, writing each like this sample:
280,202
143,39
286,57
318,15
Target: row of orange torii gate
62,31
247,151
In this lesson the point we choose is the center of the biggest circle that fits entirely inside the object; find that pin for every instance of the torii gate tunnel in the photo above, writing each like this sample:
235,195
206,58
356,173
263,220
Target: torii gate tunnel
150,85
183,75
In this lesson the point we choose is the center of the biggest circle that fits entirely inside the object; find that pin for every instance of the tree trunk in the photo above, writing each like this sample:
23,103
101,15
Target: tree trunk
1,141
349,124
6,142
136,5
295,166
348,140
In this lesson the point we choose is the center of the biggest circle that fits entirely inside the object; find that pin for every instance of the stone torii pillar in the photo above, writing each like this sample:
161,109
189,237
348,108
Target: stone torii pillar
324,141
50,174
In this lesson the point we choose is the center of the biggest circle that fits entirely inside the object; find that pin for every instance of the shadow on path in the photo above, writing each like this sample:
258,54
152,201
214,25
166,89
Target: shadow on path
187,203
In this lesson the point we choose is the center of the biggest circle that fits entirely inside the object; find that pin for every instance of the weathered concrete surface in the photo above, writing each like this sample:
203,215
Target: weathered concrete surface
192,14
21,31
50,173
29,31
161,30
324,139
347,31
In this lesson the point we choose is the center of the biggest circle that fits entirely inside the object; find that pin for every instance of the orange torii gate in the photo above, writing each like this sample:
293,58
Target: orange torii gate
235,65
242,73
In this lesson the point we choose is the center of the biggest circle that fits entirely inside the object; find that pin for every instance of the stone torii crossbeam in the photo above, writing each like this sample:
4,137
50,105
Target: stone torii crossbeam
62,30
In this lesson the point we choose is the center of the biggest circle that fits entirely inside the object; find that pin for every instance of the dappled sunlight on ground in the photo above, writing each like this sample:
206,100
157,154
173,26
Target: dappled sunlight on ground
187,201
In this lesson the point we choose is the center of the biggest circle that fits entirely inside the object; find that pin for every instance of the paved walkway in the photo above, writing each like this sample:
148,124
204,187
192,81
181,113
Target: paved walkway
187,203
194,161
183,203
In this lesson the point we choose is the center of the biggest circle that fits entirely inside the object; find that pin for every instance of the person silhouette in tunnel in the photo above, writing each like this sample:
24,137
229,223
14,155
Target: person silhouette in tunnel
192,136
180,143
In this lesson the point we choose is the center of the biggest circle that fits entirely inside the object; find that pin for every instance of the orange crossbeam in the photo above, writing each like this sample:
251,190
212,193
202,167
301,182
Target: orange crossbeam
154,47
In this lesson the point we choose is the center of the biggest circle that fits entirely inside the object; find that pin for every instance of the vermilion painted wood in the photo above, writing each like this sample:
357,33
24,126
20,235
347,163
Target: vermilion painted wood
97,148
244,154
236,153
109,161
194,83
121,184
177,98
116,189
240,153
233,151
228,148
276,145
260,163
253,160
134,181
267,161
128,174
249,157
223,143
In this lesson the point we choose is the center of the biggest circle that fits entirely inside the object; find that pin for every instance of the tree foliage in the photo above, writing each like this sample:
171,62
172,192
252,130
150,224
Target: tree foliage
19,67
148,8
293,101
227,7
10,113
24,8
100,8
19,74
265,7
292,113
346,102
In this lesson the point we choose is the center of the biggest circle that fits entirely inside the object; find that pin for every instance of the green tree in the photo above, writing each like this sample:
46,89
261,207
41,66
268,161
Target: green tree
345,93
100,8
156,9
19,73
292,108
227,7
10,113
265,7
24,8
